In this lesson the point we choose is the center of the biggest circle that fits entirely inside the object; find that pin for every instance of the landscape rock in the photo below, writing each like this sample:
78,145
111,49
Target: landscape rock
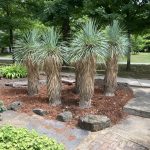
68,81
65,116
2,107
1,103
15,105
1,118
94,122
40,112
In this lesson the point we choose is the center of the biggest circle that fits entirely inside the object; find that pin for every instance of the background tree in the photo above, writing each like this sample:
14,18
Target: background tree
13,16
138,43
118,43
25,48
60,13
134,14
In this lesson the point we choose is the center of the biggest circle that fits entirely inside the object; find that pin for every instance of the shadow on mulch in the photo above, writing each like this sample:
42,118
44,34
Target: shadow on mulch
101,105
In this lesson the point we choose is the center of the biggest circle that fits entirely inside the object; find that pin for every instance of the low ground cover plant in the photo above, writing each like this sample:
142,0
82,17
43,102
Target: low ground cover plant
13,71
12,138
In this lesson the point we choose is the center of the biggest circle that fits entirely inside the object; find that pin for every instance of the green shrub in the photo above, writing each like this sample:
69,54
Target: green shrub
13,71
12,138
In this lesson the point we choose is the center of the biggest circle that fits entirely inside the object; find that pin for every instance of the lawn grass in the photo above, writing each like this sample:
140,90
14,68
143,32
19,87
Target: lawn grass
138,58
5,55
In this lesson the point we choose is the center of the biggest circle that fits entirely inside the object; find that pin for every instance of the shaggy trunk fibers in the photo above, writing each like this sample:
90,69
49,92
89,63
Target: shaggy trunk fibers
110,80
77,77
86,86
33,77
52,67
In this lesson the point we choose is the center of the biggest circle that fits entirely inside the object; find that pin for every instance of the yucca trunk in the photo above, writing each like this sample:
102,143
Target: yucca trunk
86,86
110,79
77,77
33,77
52,67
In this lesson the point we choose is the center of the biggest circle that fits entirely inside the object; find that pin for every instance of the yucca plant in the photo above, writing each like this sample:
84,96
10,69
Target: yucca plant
87,47
25,48
50,55
118,46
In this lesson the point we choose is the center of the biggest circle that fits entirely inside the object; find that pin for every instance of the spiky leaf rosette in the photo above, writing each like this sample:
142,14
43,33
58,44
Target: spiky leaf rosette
88,42
50,45
117,40
26,45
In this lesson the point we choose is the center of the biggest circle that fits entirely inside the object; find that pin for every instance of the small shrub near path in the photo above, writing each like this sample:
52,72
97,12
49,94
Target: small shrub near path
12,138
13,71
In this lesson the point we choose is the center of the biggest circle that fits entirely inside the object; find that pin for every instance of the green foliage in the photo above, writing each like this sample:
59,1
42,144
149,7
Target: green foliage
137,43
49,45
12,138
88,41
26,45
117,40
13,71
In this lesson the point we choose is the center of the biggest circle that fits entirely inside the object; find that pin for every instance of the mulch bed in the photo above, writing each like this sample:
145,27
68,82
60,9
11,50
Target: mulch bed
110,106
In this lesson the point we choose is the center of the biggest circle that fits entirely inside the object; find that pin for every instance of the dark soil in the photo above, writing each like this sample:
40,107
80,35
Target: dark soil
110,106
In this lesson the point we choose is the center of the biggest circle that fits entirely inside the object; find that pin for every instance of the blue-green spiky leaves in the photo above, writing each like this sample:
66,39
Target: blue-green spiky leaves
89,41
117,40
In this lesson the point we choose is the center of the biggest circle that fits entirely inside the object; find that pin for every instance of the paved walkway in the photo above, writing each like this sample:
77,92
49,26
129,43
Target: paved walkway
70,137
132,133
130,81
6,60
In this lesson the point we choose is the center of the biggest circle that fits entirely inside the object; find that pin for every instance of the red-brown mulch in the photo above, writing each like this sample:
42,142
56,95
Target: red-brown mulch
110,106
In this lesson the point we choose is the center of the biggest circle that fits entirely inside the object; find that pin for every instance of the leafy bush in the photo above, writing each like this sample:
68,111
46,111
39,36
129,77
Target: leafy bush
12,138
13,71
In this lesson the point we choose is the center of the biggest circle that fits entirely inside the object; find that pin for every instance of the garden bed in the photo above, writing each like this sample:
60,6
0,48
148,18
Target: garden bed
109,106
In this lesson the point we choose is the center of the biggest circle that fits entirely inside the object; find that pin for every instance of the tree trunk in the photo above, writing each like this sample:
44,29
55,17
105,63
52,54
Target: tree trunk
66,28
11,39
33,77
110,79
86,86
128,67
77,78
52,67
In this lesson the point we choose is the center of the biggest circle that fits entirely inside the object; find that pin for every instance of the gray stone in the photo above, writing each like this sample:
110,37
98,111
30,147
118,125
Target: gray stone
1,103
15,105
68,80
40,112
139,106
65,116
70,137
94,122
2,107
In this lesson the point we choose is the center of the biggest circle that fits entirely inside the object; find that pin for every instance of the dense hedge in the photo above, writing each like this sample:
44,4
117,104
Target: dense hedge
12,138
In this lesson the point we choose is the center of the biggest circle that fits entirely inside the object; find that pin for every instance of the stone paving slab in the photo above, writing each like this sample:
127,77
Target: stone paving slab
70,137
138,92
139,106
133,133
144,83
